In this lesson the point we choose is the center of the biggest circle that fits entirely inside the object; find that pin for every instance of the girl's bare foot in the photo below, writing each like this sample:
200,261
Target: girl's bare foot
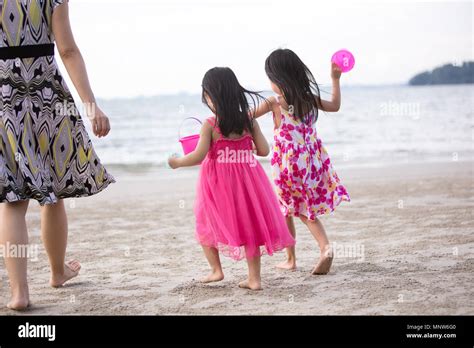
251,285
71,270
324,264
215,276
288,265
20,300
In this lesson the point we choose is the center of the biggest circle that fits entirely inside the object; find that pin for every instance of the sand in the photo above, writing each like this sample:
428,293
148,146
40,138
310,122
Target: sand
404,245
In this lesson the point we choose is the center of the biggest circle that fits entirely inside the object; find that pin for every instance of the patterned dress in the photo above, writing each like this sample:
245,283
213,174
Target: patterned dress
306,182
45,152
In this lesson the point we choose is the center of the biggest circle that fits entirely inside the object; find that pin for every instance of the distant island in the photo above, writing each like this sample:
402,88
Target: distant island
445,75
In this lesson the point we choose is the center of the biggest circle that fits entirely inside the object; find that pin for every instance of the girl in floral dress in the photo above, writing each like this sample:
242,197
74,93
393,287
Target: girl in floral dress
306,183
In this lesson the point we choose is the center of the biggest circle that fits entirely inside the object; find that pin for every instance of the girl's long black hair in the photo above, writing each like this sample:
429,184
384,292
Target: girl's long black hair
229,99
300,90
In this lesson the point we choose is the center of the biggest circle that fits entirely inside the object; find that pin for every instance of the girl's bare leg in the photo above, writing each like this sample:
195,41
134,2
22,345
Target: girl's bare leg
254,281
317,230
13,233
212,256
54,231
290,263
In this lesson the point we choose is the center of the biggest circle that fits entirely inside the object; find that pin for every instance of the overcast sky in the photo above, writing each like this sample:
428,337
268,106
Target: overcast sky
149,47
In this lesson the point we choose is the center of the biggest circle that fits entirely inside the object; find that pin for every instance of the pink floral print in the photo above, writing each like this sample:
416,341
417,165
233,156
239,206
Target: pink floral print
306,182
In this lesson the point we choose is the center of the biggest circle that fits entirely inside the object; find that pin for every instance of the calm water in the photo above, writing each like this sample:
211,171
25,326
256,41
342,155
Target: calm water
375,126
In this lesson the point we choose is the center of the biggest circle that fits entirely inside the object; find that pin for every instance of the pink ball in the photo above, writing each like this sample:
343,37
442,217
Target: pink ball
344,59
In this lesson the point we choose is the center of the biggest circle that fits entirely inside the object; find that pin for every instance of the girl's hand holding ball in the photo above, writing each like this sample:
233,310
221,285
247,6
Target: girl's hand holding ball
335,71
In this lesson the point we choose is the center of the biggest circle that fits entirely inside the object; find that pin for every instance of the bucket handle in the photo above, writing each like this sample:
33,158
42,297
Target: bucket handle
182,122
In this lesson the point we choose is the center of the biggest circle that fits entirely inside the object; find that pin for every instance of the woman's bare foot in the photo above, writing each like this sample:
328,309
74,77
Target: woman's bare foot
71,270
20,300
251,285
324,265
288,265
215,276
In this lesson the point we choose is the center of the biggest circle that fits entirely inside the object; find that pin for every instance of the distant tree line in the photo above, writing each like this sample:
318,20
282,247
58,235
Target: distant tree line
446,74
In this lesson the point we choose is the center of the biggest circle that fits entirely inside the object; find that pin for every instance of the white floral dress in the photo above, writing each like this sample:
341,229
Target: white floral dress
306,182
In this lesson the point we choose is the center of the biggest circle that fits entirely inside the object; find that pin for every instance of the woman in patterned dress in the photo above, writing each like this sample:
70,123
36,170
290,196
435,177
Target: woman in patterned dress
45,152
306,182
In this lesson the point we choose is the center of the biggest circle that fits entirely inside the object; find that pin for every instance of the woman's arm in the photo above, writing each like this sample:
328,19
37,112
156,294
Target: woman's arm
335,103
259,140
198,155
76,68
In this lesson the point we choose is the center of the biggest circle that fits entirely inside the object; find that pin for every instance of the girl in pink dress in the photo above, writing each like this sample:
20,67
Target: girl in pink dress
306,182
237,212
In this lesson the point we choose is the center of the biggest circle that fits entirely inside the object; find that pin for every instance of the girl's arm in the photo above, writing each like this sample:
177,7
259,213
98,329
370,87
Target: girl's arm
335,103
259,140
264,108
198,155
76,68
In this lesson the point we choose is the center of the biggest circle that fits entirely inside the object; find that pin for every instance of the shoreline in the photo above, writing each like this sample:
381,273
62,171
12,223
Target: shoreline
158,169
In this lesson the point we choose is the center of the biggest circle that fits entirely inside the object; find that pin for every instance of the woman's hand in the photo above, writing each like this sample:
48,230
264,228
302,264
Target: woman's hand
173,162
100,122
335,71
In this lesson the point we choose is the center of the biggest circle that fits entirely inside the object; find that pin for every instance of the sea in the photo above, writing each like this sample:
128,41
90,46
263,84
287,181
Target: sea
376,126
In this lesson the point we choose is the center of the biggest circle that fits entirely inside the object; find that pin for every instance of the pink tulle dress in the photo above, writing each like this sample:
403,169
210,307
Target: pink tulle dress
237,211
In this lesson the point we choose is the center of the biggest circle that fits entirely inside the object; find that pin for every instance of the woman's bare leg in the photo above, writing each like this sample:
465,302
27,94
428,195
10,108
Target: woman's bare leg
212,256
13,233
290,263
54,231
254,281
319,233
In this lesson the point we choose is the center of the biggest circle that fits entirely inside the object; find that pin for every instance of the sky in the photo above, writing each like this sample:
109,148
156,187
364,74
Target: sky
153,47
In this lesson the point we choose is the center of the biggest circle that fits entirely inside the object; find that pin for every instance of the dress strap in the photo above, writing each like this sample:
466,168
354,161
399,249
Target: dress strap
277,117
212,122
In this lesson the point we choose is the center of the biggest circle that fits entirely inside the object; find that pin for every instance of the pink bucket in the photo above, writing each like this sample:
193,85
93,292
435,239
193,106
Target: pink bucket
189,142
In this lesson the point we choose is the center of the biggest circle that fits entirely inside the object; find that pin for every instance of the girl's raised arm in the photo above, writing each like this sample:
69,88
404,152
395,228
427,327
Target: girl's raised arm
335,103
198,155
264,108
259,140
